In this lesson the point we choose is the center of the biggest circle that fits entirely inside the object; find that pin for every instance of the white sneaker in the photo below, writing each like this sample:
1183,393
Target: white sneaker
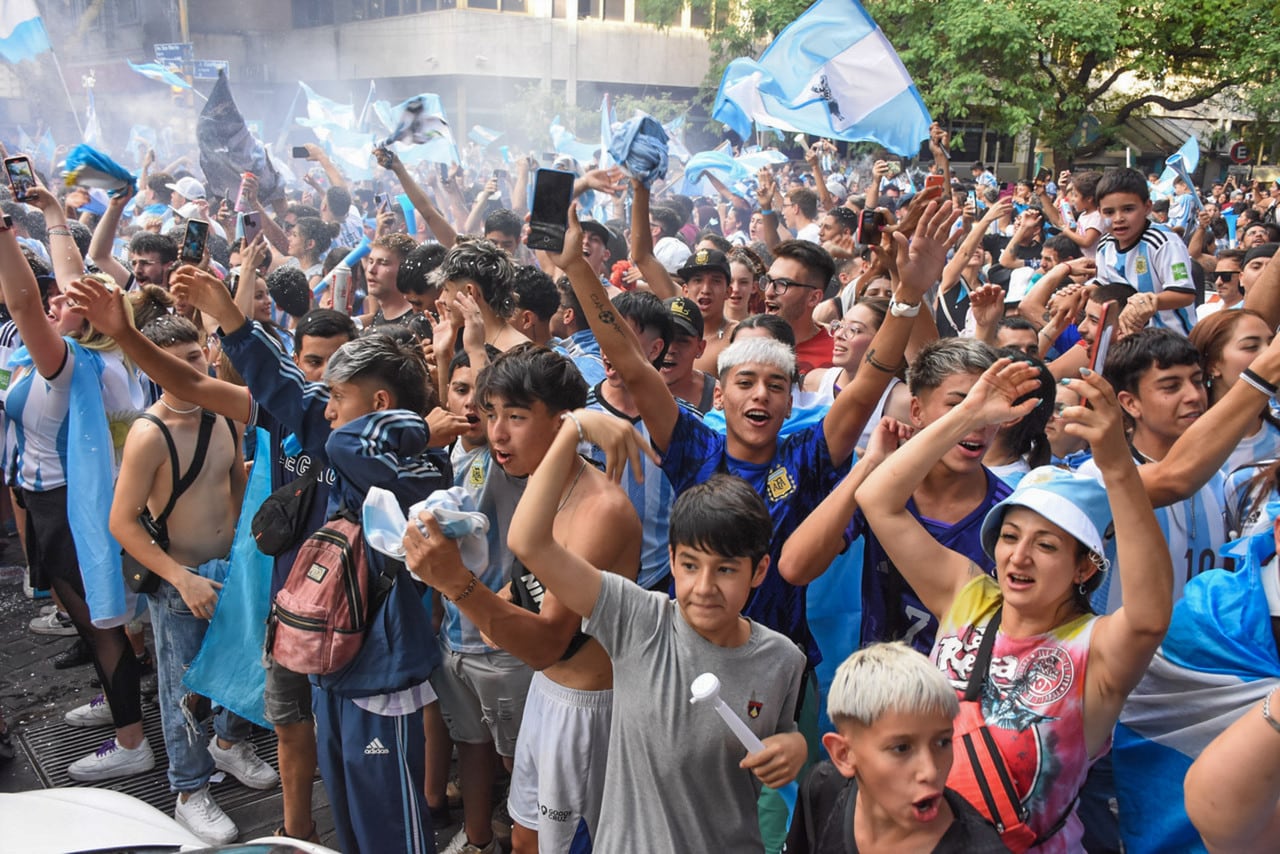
202,816
111,760
52,624
241,762
46,610
96,712
461,845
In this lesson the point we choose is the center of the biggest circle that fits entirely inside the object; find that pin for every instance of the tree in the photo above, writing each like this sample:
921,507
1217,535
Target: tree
1048,64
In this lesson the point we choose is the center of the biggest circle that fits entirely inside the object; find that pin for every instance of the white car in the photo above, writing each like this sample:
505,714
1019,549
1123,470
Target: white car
65,821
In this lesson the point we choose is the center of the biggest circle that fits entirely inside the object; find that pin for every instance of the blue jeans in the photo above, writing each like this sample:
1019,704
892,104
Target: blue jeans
178,635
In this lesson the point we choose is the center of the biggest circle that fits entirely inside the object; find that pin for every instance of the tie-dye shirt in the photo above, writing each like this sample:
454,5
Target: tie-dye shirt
1033,703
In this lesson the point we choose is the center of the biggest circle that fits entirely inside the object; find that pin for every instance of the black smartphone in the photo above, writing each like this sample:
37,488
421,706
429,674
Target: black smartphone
300,152
250,226
869,225
549,216
193,241
382,202
21,176
500,174
444,171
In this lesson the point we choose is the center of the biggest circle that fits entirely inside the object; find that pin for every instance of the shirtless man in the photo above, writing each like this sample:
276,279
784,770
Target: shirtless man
192,570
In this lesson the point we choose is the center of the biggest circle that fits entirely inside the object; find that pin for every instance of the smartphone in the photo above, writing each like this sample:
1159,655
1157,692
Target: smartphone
193,241
250,226
1104,335
382,202
869,225
22,178
444,171
973,198
895,168
500,174
939,181
300,152
549,216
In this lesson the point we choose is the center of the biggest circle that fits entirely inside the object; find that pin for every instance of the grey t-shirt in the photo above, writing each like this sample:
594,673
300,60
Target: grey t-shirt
673,782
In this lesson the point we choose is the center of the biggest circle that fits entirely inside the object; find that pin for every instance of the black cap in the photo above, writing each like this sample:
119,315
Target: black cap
1265,250
599,229
705,261
685,313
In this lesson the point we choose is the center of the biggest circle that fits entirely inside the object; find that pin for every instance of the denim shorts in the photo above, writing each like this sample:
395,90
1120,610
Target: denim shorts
287,696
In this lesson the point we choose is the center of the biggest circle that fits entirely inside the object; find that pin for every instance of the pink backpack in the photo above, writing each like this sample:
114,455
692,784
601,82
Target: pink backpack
318,620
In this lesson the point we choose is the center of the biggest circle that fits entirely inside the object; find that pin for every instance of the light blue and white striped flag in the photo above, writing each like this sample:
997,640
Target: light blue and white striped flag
159,73
22,33
483,136
832,73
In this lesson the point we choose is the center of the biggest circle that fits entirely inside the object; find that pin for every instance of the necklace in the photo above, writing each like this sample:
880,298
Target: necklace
174,409
565,500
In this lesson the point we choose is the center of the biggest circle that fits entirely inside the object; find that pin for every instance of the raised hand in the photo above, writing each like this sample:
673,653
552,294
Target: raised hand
992,398
1100,422
205,291
987,305
472,319
100,304
920,260
886,437
621,443
571,253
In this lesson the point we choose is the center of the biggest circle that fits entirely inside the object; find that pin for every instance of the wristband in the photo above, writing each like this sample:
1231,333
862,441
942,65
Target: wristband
1251,378
58,231
767,212
898,309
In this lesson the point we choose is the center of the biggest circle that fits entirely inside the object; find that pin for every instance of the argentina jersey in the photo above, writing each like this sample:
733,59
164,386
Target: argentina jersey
651,499
1194,529
1158,262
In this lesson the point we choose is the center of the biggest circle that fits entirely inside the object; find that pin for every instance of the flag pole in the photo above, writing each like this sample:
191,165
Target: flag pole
75,113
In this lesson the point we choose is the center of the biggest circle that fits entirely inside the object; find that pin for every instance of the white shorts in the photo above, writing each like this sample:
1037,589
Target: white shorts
482,696
558,779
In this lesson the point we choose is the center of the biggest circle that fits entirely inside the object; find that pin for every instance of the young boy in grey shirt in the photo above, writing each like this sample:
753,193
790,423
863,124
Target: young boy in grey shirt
677,778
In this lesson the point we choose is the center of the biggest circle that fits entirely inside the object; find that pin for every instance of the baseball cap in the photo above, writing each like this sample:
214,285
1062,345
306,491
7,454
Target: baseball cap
705,261
599,229
1074,502
1266,250
188,188
685,313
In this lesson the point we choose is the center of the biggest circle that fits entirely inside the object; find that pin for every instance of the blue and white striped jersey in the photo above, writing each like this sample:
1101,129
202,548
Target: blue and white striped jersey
1157,262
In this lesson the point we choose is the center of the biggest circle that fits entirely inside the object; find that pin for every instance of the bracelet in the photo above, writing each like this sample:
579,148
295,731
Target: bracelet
898,309
1250,378
1266,712
767,212
576,423
58,231
471,586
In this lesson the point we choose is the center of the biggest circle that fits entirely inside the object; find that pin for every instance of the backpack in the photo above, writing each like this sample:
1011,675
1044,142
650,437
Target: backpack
318,620
281,521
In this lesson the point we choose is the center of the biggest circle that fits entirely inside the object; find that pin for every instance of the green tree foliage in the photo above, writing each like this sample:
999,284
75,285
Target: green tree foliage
1047,64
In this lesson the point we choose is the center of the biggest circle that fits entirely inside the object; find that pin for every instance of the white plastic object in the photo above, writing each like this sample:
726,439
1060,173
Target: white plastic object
706,689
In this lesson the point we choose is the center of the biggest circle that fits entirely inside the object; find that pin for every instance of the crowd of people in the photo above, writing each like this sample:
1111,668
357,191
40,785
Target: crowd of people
967,493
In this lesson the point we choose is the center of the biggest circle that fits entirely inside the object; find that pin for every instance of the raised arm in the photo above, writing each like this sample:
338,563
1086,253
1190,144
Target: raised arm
811,548
1203,449
104,308
972,240
104,238
919,263
22,296
655,275
1264,296
68,266
1124,641
316,154
475,218
935,572
617,341
813,156
766,189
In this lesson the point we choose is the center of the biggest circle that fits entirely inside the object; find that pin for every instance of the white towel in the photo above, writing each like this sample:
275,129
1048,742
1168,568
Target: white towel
455,511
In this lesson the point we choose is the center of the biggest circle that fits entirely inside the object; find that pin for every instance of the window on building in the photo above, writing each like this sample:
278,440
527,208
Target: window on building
615,10
482,4
122,13
515,6
589,9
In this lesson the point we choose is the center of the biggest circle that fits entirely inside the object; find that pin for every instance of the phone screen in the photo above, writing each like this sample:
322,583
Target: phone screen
300,152
549,217
382,202
1103,337
21,176
250,226
193,241
868,229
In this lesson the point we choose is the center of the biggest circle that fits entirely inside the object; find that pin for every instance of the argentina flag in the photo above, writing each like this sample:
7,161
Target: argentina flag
22,33
832,73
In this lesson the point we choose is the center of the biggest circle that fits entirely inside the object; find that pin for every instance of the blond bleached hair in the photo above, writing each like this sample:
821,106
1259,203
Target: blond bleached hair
888,677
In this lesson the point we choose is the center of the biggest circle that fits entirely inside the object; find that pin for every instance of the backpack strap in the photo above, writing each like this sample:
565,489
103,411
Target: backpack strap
180,486
982,663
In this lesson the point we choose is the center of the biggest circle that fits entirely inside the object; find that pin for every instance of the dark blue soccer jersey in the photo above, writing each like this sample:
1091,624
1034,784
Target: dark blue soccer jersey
797,479
891,610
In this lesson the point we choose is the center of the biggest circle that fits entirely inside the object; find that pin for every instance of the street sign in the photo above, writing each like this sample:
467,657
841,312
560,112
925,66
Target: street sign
207,69
175,53
1238,152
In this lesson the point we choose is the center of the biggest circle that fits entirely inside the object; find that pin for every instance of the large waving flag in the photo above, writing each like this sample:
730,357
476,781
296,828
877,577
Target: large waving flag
159,73
228,148
483,136
564,142
1190,153
419,125
22,33
324,114
831,73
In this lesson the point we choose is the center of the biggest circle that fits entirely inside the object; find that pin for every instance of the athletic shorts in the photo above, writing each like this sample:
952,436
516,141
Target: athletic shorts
287,696
482,696
557,783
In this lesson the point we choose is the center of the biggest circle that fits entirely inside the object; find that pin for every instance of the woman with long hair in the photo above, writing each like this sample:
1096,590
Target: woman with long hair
71,398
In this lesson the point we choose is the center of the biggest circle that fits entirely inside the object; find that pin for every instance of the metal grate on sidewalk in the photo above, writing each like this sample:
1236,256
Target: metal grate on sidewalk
53,746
